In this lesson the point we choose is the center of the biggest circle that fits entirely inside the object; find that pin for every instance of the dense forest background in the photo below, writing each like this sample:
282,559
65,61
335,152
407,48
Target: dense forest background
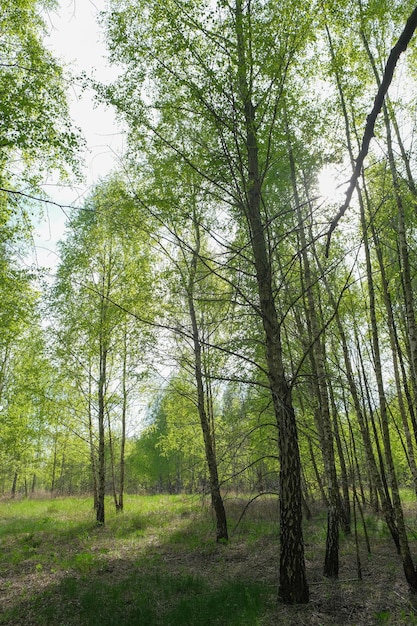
199,334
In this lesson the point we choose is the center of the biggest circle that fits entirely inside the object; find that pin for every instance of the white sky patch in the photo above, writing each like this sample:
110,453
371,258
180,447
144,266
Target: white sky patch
332,186
75,39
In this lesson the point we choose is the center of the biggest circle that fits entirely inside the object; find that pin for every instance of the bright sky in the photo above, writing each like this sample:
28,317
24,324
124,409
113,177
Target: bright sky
76,40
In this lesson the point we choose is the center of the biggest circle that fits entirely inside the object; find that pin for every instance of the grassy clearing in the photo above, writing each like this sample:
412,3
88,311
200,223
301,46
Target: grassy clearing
157,564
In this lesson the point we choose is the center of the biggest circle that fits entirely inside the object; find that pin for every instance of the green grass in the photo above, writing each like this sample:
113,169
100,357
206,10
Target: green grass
132,571
158,564
159,599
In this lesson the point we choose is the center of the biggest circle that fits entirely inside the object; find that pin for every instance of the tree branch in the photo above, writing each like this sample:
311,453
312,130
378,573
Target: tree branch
28,196
395,53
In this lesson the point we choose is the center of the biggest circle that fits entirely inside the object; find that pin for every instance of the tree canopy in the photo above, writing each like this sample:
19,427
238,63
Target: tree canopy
200,334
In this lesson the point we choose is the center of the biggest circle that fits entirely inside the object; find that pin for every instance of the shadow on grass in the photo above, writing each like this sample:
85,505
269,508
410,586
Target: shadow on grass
140,599
158,565
174,574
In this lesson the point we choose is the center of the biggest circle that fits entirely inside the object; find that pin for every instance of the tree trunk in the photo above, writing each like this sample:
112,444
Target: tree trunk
393,343
322,413
404,260
216,498
408,566
345,509
14,485
120,503
61,481
101,488
317,473
91,442
379,482
293,586
54,462
112,464
385,499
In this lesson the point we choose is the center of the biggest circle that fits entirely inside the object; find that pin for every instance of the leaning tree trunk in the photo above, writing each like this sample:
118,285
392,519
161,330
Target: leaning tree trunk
404,260
408,565
385,498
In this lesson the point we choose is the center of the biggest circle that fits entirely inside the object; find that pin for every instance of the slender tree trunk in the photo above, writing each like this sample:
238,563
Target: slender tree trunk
61,481
408,565
101,487
393,344
91,442
409,570
216,498
14,485
385,500
355,466
404,261
54,462
209,403
379,482
317,473
293,586
404,156
120,503
112,463
343,469
3,366
406,386
331,561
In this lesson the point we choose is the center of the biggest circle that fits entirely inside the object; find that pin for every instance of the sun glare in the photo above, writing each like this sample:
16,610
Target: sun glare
331,187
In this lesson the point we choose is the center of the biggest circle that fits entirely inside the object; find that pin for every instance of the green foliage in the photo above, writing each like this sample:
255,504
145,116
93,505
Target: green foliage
162,459
34,120
36,137
171,234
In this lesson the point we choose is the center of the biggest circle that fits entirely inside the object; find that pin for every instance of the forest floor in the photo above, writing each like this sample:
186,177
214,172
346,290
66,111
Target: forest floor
157,564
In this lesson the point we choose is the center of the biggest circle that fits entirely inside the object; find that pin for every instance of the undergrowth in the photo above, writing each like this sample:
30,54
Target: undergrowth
157,564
